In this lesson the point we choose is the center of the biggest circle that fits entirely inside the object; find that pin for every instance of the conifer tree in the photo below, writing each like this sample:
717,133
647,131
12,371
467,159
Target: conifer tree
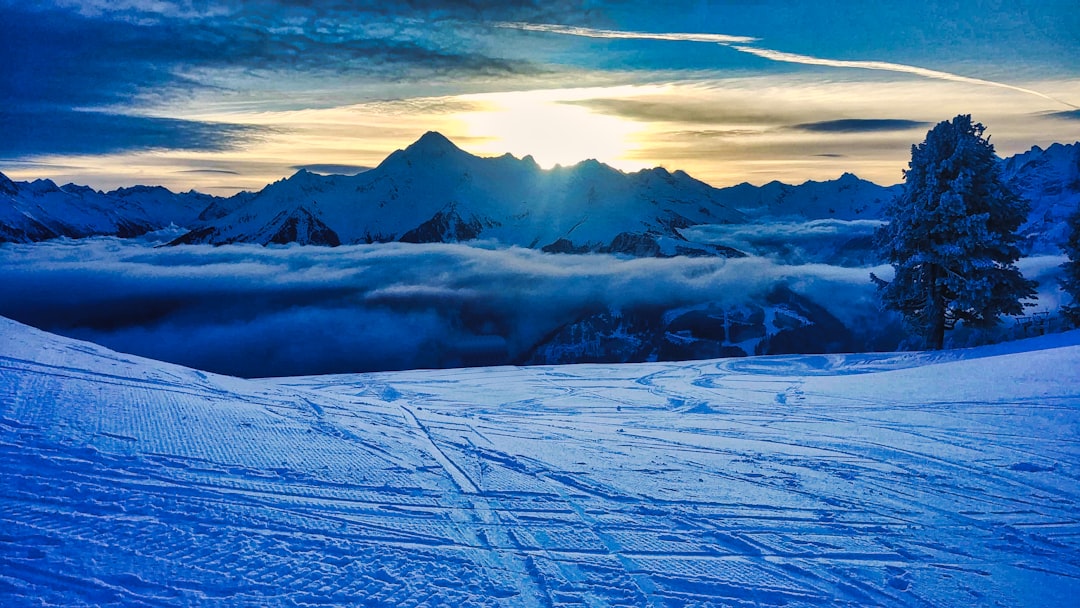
951,236
1070,282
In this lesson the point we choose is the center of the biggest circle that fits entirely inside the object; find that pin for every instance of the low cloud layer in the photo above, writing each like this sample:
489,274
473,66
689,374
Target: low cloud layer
256,311
842,242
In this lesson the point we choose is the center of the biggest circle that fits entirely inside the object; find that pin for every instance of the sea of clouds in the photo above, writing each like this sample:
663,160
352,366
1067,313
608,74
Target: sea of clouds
272,311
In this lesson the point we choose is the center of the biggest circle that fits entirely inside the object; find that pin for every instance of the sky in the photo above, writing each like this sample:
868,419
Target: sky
227,95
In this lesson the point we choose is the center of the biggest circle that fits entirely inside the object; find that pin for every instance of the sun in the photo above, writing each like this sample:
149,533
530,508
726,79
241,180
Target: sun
550,127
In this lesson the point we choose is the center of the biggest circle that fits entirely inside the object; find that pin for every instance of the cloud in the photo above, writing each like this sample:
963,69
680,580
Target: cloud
719,233
685,110
846,242
62,58
30,133
887,67
210,171
1065,115
257,311
741,44
615,34
860,125
480,10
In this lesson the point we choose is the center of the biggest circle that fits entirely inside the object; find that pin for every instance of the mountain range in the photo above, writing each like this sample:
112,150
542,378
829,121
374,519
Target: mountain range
432,191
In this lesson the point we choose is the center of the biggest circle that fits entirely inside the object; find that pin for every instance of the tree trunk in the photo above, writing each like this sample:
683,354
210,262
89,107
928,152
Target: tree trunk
936,337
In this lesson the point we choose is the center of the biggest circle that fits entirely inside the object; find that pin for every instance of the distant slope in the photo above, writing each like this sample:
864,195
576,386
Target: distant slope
845,198
1050,180
785,323
41,210
811,481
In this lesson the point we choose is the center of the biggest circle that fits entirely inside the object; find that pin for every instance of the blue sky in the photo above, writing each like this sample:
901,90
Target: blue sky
225,95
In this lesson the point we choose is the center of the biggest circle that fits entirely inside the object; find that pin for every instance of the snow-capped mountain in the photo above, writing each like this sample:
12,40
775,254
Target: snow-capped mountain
845,198
432,191
41,210
1050,180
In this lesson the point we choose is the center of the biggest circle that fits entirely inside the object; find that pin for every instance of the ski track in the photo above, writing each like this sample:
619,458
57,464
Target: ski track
779,481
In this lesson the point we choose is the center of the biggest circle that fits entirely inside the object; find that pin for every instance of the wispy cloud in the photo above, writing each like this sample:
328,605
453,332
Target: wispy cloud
888,67
210,171
860,125
1066,115
686,110
741,44
38,132
587,32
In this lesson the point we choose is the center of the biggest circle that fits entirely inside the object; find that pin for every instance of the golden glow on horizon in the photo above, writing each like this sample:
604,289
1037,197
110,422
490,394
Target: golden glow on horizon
549,127
721,131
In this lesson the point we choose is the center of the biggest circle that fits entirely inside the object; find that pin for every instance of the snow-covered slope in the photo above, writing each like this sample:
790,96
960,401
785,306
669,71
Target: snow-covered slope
843,480
40,210
1050,180
784,322
845,198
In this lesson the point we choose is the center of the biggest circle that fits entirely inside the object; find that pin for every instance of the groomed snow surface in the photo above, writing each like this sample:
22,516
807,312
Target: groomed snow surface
895,479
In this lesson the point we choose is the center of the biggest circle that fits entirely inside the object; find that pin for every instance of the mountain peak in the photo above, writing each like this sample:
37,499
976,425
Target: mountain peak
42,186
433,142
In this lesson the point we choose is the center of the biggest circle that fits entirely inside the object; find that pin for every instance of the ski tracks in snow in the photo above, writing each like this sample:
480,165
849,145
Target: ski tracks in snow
785,481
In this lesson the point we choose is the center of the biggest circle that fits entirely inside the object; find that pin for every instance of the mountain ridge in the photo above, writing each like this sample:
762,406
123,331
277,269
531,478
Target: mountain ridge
433,191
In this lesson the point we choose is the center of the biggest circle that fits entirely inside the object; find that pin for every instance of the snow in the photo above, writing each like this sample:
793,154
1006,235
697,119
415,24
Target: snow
902,479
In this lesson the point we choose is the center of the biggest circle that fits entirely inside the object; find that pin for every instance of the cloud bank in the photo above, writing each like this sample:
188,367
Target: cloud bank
43,132
254,311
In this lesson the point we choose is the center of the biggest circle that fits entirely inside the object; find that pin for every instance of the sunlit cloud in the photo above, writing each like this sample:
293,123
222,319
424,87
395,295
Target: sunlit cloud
225,95
718,130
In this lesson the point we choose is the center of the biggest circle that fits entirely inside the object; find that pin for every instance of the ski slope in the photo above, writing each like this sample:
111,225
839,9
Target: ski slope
841,480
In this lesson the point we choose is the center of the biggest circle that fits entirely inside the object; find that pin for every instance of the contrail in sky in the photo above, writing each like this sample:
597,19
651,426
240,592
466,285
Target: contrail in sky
739,44
587,32
888,67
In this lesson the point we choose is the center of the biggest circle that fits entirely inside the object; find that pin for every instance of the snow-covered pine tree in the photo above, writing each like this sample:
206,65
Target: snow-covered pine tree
1070,282
951,236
